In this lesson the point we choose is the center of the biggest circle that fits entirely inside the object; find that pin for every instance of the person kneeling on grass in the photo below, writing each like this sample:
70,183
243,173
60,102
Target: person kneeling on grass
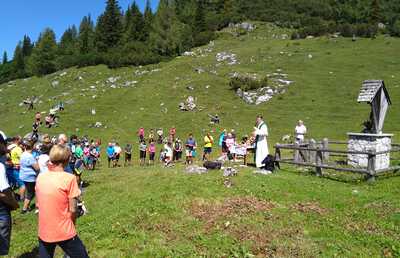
57,199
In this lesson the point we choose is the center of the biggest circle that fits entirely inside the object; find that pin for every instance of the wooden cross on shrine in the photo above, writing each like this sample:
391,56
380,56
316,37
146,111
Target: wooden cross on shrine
374,93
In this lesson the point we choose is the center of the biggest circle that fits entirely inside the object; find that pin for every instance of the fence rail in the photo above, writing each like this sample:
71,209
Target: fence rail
317,154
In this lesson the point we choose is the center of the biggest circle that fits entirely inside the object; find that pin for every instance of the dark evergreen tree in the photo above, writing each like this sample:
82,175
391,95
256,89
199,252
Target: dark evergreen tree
69,41
148,20
135,24
109,27
200,20
167,33
86,35
27,46
19,61
375,16
5,58
43,58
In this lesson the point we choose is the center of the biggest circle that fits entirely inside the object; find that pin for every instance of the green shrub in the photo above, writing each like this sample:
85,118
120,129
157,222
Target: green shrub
247,83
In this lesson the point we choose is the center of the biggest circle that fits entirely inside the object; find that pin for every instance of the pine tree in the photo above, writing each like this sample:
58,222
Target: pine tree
148,20
109,27
375,16
27,46
69,41
19,61
43,58
5,58
135,24
167,35
86,35
200,20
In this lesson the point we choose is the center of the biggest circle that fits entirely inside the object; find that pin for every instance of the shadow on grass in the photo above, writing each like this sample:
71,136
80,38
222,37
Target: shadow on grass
32,254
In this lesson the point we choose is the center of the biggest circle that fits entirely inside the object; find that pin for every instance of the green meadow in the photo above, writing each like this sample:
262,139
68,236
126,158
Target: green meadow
163,212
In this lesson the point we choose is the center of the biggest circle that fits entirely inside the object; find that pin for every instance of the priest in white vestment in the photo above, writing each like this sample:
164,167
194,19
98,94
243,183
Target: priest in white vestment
261,133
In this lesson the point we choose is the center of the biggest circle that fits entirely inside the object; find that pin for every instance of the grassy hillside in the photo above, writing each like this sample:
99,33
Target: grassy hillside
156,212
324,93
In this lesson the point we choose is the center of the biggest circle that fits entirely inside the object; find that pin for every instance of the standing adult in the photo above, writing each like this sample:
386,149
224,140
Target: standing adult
7,201
28,173
110,154
178,149
190,149
208,143
118,151
261,134
172,133
57,197
15,156
300,131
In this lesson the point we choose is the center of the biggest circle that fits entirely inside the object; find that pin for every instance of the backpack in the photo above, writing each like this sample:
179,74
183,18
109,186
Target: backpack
269,163
212,165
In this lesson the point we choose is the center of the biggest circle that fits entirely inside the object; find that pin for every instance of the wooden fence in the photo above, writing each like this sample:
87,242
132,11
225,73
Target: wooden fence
319,156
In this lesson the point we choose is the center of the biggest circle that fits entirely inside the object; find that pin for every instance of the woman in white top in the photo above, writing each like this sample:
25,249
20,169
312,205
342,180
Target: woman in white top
300,131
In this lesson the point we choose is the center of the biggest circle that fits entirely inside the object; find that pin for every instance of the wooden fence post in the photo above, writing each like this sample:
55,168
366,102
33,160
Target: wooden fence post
296,153
318,162
277,153
371,168
325,146
311,154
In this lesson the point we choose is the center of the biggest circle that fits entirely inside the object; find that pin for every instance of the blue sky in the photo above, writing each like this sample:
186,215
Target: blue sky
30,17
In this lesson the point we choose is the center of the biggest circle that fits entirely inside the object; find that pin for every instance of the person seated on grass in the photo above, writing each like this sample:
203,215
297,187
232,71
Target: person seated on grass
152,151
128,155
110,154
57,200
142,152
7,200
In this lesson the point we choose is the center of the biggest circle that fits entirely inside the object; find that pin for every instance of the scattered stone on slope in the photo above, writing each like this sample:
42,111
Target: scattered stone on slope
277,84
199,70
227,57
55,83
188,105
195,170
249,27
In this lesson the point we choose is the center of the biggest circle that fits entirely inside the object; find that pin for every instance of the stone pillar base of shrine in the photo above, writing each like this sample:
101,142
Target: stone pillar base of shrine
369,143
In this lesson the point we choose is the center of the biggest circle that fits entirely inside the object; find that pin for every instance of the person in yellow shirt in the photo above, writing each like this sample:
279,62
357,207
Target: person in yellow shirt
208,142
15,156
